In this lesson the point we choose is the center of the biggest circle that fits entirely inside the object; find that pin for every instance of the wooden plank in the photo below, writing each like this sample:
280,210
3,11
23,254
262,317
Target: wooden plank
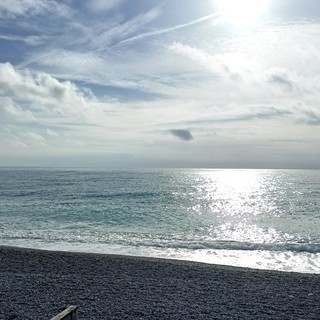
68,314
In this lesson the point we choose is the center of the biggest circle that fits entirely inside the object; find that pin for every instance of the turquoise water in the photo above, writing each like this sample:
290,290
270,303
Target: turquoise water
267,219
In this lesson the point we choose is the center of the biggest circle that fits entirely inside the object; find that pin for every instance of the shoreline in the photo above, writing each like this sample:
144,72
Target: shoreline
290,268
155,258
37,284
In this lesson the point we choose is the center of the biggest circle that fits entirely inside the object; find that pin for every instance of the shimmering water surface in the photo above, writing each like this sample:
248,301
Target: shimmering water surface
267,219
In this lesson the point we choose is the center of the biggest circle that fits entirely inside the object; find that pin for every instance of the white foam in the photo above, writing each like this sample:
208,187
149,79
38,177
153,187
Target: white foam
303,262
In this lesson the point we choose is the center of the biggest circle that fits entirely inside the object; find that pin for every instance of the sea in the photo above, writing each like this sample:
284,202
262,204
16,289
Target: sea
265,219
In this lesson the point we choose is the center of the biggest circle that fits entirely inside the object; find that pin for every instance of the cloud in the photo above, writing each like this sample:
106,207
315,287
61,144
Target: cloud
246,115
11,112
69,61
182,134
41,92
209,62
312,117
89,48
52,133
34,137
125,29
16,8
30,102
20,7
230,88
39,110
167,30
98,6
280,78
30,40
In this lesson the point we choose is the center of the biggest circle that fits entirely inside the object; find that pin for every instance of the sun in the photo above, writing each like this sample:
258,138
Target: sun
241,12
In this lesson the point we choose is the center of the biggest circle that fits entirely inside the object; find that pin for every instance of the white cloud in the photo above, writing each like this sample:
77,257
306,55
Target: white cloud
43,93
70,62
167,30
122,30
209,62
39,101
10,112
35,138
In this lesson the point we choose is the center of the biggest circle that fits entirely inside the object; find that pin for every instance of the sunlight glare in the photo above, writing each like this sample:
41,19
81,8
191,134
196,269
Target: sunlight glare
241,12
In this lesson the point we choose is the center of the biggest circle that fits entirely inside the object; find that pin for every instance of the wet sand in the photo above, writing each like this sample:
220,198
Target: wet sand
38,284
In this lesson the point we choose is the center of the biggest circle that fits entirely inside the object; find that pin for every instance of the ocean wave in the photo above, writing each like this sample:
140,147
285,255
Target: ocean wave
226,245
163,242
247,246
125,195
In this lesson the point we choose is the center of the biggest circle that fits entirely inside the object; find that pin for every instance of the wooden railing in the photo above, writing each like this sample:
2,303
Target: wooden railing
68,314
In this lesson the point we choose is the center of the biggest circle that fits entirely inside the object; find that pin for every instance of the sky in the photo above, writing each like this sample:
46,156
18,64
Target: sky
149,83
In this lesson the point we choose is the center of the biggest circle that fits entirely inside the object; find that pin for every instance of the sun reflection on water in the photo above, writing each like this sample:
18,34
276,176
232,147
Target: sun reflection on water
234,193
234,202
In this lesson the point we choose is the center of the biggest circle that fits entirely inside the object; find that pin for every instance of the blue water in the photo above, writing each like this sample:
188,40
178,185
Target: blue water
268,219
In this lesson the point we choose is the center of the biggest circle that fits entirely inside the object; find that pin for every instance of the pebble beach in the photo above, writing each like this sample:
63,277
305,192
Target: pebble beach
37,284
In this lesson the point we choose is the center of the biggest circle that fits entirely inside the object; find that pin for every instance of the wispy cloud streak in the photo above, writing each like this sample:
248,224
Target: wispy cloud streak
167,30
31,40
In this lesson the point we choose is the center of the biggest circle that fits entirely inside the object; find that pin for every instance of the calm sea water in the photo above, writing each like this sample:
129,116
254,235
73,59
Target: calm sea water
267,219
